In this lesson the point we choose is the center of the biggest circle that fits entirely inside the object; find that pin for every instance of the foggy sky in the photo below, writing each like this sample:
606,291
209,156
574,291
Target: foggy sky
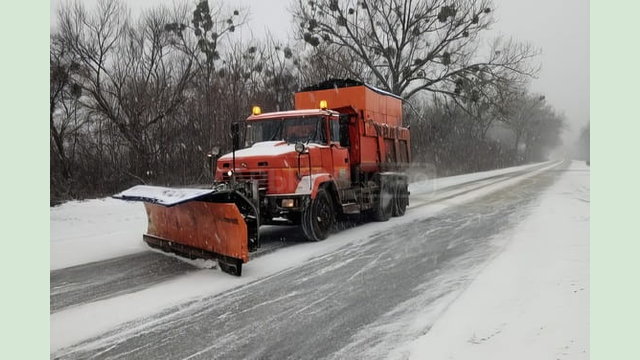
560,29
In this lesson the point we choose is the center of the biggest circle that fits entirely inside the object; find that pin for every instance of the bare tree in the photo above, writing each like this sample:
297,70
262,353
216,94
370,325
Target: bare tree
543,134
325,61
486,98
63,105
409,46
280,73
519,112
535,124
129,72
203,36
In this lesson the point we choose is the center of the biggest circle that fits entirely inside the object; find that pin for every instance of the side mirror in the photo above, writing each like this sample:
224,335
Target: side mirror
212,156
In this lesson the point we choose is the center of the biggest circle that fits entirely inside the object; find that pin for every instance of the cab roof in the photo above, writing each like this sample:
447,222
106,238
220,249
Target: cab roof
292,113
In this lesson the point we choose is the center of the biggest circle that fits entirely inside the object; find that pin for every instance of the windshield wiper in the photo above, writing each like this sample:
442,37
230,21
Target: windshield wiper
315,132
278,131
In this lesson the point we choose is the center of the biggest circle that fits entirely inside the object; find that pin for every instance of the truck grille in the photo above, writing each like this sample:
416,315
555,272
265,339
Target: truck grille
261,176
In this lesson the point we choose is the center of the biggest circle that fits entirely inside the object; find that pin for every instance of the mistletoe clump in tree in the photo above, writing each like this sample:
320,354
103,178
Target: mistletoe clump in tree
410,46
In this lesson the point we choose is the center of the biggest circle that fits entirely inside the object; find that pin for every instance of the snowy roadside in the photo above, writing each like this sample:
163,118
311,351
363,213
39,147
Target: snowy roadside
99,229
86,231
426,186
532,301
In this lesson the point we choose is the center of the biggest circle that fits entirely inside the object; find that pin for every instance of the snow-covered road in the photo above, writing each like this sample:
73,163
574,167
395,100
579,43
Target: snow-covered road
363,293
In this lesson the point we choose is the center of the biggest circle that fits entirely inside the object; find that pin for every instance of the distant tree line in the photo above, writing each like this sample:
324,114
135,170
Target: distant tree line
144,99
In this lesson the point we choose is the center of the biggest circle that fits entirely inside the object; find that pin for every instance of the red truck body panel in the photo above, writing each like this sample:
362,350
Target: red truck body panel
378,140
375,106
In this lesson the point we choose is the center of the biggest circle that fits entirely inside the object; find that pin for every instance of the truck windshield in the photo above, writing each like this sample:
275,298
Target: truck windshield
289,129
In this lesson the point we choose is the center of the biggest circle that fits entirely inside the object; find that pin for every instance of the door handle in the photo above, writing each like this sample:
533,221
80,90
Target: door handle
346,160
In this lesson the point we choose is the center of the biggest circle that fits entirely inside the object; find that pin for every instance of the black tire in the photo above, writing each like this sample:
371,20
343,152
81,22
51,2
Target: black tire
318,218
401,200
384,202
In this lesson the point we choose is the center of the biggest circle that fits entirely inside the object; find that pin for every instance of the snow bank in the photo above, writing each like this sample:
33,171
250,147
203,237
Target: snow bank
532,301
432,185
93,230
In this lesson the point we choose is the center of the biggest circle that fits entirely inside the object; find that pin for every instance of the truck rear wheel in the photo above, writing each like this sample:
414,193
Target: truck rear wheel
319,217
384,202
401,200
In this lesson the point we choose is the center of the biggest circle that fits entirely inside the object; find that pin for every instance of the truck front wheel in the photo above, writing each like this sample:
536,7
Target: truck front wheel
318,218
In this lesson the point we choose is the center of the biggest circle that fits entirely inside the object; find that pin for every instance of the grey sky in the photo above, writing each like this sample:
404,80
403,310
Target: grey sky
559,28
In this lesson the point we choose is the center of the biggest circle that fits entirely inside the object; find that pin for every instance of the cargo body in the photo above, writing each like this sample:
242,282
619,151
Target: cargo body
340,153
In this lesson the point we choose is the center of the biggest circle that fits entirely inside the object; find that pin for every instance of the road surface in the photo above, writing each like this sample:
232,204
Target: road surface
356,302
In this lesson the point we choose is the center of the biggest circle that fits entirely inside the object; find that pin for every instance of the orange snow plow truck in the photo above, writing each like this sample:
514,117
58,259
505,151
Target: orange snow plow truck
341,152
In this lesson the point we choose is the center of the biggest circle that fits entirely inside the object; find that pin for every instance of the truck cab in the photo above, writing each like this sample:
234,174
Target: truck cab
290,155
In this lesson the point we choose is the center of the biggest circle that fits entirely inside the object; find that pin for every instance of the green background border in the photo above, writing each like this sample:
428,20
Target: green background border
615,165
615,239
24,254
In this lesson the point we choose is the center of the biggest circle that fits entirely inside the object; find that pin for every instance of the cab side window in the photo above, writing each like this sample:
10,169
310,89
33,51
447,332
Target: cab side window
321,132
334,126
343,131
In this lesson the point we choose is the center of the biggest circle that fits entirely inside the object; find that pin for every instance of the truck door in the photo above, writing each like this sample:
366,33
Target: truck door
340,154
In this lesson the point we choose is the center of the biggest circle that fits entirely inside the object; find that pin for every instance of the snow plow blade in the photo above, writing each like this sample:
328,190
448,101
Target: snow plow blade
198,223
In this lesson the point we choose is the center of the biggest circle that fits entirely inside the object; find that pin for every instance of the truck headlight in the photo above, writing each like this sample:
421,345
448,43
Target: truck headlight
229,172
288,203
299,147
